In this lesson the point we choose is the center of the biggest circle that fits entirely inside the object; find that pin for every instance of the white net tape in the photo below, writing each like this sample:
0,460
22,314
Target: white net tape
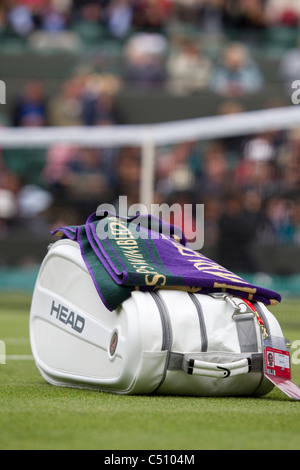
159,134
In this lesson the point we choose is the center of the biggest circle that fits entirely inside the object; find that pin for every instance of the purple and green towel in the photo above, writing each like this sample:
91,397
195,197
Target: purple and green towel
142,253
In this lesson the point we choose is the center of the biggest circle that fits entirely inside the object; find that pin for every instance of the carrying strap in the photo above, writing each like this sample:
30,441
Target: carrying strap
195,364
245,326
248,360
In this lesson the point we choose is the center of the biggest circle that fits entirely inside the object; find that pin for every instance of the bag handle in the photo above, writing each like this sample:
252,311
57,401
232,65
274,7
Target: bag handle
194,366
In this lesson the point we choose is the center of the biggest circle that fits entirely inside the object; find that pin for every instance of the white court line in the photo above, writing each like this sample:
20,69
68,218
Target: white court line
19,357
16,357
13,341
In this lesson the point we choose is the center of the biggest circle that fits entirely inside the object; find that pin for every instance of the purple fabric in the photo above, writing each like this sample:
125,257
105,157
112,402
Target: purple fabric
120,264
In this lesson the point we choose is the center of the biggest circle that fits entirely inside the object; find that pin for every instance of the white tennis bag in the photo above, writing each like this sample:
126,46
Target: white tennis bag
165,342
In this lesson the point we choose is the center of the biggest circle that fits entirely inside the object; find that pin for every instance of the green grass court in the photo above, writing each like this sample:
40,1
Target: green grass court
35,415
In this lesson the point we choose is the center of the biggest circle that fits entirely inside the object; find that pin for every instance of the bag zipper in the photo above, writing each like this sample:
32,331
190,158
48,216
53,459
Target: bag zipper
167,338
203,332
165,322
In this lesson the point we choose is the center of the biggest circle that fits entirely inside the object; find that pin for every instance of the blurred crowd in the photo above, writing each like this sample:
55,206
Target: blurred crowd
118,17
250,185
165,42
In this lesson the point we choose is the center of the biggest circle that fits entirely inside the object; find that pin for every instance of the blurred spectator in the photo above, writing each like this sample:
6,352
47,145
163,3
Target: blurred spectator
98,109
88,21
290,176
32,201
212,210
25,163
237,75
58,159
2,19
233,145
151,15
78,5
288,163
20,19
186,11
119,17
258,167
295,220
145,56
65,109
211,16
277,225
30,108
80,179
88,11
9,187
181,205
246,19
188,68
260,148
8,210
283,12
64,6
174,172
128,173
289,68
259,175
53,20
237,235
98,100
215,171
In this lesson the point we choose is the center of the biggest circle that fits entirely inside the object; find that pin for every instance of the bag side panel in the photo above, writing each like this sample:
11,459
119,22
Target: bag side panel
71,353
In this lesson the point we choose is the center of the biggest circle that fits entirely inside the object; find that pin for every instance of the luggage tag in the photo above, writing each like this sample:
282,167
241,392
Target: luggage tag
277,366
277,359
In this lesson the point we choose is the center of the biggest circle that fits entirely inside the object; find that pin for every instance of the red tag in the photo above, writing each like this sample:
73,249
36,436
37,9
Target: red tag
277,363
277,366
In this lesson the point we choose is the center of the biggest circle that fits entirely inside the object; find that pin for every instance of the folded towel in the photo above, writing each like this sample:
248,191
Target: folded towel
143,253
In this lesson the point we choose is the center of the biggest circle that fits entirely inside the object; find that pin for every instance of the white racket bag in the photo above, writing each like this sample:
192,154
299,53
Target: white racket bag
164,342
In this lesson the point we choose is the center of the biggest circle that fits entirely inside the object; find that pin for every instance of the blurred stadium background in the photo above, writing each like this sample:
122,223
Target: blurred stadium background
103,64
